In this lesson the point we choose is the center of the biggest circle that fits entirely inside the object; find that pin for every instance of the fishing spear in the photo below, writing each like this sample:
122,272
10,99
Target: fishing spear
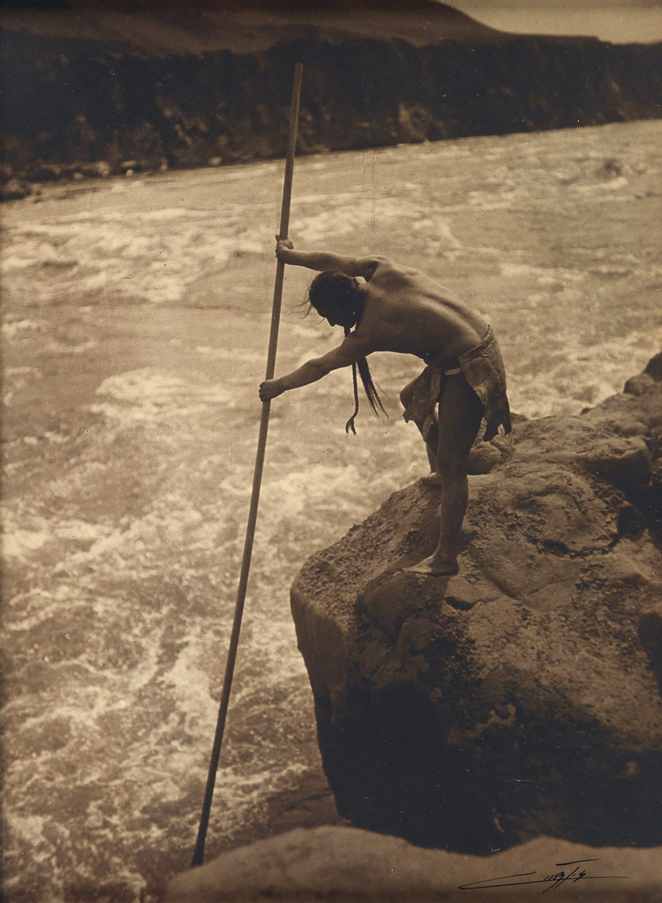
198,855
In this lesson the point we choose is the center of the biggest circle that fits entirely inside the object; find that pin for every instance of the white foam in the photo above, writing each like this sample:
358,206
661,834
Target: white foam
142,386
13,262
604,186
13,372
126,253
188,678
17,543
29,828
168,214
146,396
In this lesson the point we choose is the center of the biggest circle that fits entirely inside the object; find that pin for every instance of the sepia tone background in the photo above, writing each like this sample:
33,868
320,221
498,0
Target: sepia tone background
137,268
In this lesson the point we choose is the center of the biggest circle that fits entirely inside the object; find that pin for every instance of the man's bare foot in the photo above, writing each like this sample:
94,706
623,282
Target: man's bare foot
432,479
429,567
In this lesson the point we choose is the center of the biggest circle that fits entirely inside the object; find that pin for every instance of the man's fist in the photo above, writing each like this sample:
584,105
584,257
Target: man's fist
269,389
283,244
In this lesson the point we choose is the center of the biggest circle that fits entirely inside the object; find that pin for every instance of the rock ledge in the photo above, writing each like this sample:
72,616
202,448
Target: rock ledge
521,698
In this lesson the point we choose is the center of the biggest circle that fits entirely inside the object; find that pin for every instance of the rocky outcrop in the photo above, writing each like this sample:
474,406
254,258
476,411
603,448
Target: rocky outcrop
346,865
522,697
72,105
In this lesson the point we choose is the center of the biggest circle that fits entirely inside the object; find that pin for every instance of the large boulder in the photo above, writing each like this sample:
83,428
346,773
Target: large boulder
521,697
346,865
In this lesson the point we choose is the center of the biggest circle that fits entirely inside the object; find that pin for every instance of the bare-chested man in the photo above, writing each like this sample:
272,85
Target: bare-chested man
398,308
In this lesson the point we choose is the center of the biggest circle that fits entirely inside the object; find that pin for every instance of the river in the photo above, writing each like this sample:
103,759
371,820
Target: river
135,324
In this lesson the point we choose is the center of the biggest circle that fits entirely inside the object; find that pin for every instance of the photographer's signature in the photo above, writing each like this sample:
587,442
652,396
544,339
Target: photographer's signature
570,871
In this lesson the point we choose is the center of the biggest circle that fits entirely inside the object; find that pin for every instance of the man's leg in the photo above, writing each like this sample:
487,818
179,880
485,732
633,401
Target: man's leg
460,414
432,437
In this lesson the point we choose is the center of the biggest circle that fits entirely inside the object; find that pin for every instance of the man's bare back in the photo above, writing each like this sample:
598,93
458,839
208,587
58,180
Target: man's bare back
407,312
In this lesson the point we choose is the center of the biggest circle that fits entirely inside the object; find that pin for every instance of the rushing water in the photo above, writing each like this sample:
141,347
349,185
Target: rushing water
136,318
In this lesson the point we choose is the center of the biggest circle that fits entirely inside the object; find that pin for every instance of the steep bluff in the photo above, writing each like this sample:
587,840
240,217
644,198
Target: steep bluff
522,697
72,104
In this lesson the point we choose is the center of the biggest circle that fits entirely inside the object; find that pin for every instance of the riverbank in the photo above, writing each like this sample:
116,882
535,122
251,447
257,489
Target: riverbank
86,96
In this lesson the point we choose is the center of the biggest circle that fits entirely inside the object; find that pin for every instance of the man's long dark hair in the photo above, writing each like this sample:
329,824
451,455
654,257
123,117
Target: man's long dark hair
339,297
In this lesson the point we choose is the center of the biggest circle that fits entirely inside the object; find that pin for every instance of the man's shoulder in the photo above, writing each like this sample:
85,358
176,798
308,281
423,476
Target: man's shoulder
389,270
373,264
383,262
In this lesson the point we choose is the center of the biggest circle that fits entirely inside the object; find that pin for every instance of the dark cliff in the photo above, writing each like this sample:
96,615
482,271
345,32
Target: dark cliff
71,100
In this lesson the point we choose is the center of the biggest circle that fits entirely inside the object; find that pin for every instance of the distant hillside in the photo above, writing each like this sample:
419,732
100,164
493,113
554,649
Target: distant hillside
243,26
100,90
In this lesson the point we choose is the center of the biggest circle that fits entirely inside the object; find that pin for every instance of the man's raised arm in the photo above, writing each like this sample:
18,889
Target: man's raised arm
325,260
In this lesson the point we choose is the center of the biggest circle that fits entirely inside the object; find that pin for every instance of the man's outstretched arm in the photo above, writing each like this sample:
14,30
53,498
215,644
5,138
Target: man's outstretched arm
351,351
325,260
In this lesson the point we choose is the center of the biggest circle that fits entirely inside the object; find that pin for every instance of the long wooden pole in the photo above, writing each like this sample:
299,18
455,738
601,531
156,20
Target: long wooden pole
198,855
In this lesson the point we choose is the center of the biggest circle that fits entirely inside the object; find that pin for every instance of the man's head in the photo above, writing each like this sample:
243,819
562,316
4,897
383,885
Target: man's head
338,298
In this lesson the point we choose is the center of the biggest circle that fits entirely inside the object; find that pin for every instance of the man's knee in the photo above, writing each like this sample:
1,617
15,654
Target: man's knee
452,466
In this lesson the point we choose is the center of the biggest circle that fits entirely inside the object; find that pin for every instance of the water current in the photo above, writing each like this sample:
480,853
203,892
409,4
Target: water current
135,324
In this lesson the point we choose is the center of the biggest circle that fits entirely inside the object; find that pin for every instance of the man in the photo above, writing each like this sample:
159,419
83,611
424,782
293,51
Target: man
398,308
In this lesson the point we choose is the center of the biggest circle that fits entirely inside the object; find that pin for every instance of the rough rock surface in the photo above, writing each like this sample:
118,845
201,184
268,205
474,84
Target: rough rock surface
346,864
522,697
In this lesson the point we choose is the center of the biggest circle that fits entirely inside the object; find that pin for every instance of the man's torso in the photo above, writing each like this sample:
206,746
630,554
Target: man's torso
407,312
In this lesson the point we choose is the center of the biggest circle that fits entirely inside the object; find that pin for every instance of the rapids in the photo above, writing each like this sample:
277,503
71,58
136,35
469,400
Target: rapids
135,324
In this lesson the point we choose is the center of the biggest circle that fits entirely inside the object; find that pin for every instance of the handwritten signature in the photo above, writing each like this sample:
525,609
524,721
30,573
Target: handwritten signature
552,881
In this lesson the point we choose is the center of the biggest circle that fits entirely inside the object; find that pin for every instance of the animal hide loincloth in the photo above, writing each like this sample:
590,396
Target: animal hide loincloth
483,369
